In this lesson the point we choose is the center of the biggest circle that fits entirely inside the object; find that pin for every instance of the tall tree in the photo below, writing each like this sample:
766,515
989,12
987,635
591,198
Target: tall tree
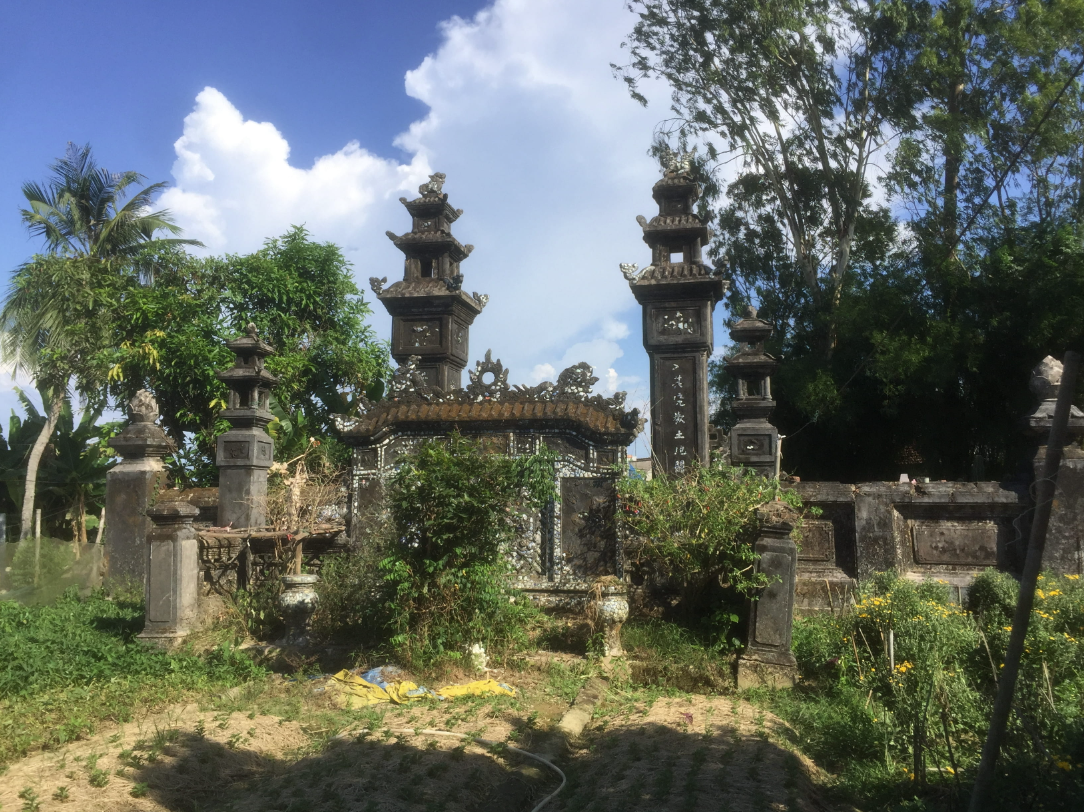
300,294
57,312
82,211
802,94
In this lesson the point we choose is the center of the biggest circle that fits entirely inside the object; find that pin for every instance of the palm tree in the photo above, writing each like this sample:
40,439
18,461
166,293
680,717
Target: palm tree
55,317
77,213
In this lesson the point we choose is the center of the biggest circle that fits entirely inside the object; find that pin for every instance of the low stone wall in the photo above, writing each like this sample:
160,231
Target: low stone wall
948,531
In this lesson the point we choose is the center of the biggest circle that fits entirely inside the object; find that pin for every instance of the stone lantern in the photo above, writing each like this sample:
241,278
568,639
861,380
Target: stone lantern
754,442
246,451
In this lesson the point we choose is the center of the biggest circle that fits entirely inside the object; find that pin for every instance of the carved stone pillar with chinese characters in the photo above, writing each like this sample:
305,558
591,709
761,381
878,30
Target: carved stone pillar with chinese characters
678,293
431,315
130,486
754,442
246,451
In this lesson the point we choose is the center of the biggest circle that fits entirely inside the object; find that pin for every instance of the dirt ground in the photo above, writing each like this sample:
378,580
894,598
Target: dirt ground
292,748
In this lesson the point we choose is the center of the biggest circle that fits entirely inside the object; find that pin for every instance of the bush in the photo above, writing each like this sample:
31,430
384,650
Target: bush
923,717
445,579
699,529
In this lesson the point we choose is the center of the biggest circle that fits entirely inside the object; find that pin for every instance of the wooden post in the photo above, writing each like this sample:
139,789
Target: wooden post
37,546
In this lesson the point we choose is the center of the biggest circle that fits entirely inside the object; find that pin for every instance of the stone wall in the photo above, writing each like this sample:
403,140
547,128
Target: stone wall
948,531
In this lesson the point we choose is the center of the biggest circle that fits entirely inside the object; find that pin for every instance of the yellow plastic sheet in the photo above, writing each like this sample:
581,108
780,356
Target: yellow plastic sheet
358,692
478,688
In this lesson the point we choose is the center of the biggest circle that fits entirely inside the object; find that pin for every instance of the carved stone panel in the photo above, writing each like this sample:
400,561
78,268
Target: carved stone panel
236,450
773,607
965,543
460,341
675,438
421,334
366,459
588,532
673,324
818,541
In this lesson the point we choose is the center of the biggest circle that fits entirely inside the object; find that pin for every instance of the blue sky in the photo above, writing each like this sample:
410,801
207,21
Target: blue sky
261,115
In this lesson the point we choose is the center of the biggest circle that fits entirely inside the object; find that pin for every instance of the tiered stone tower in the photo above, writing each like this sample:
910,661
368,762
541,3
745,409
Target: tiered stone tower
431,314
678,293
246,451
754,442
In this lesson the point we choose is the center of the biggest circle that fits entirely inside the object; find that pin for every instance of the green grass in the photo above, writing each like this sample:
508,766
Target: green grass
671,655
68,666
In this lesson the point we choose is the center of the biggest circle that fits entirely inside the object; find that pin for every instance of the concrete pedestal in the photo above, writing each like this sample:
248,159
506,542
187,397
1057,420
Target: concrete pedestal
172,565
767,659
130,487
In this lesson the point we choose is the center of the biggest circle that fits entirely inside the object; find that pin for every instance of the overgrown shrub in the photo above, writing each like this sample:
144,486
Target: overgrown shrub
351,594
910,718
699,529
445,581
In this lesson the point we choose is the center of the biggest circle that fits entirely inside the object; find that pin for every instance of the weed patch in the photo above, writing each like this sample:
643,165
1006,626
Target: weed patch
68,666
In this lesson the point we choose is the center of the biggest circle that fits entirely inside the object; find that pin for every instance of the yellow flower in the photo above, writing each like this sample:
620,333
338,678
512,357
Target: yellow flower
1073,577
1063,765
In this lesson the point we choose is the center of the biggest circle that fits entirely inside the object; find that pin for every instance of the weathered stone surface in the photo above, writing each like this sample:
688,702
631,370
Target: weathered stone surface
678,293
818,541
1064,551
246,451
968,543
130,486
588,536
771,615
948,531
172,566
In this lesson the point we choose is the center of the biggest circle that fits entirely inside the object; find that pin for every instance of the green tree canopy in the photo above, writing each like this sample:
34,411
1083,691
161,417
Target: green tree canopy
302,298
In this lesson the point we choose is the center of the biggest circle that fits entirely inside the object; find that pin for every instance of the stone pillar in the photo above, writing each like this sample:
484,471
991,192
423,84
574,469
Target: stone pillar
767,659
1064,551
130,486
172,556
754,442
246,451
678,293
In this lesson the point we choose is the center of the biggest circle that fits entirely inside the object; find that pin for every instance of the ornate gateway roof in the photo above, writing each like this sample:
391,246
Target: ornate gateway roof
489,403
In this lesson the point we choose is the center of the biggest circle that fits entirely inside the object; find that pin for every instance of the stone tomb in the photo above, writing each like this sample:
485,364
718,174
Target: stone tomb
558,552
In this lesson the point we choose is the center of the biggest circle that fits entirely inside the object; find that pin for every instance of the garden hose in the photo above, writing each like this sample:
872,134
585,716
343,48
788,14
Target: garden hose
489,743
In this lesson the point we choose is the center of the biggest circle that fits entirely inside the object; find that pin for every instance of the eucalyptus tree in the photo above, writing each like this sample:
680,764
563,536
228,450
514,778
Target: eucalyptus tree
803,95
56,316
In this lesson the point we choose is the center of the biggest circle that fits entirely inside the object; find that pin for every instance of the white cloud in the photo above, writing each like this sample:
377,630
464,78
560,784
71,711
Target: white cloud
542,372
543,149
614,330
235,186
